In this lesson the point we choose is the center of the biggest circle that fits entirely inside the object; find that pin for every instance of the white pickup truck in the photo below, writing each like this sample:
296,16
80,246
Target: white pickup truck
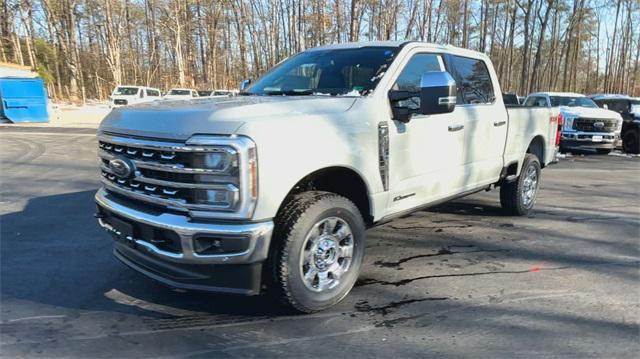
272,190
584,125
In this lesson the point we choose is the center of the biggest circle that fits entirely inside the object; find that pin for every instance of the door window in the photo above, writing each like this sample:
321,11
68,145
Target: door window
473,81
536,101
409,78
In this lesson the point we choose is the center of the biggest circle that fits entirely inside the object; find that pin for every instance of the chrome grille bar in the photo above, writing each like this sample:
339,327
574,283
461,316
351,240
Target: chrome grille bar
141,178
154,145
154,165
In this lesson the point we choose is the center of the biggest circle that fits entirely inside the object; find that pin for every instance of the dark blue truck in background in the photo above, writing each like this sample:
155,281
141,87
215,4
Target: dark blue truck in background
23,100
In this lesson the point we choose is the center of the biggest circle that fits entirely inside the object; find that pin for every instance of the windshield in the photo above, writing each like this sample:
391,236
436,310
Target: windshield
622,106
327,72
572,101
180,92
127,91
204,93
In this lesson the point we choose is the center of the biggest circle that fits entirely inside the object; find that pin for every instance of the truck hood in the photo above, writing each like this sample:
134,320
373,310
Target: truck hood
181,119
589,112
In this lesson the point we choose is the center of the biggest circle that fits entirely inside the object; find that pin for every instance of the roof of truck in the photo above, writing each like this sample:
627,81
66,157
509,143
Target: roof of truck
435,47
610,96
567,94
138,86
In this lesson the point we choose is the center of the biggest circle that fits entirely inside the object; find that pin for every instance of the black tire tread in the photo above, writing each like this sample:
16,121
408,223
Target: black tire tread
292,213
635,133
510,193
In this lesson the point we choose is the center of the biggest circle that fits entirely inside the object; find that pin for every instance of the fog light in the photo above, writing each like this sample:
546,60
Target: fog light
207,244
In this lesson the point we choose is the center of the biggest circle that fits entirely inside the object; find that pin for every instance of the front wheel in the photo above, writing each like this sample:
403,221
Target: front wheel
631,141
603,151
519,196
318,251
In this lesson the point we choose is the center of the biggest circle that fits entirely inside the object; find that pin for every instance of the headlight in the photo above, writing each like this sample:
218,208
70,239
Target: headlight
568,123
219,197
229,175
217,159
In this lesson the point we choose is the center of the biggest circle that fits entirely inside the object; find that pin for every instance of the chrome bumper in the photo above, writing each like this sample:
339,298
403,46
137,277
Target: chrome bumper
607,137
258,234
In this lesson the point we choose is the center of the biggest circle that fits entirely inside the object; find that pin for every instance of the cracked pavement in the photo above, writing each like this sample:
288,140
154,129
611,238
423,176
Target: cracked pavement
457,280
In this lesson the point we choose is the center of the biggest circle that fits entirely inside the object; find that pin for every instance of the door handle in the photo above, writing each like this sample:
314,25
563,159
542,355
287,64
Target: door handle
499,123
454,128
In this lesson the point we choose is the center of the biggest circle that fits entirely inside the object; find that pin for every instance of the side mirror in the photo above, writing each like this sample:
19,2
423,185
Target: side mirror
605,106
438,93
244,84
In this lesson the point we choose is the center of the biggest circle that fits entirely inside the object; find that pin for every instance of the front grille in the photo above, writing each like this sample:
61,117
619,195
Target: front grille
595,124
169,174
120,102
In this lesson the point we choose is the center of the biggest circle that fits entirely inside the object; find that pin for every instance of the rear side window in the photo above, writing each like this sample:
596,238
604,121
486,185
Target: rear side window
153,93
536,101
473,81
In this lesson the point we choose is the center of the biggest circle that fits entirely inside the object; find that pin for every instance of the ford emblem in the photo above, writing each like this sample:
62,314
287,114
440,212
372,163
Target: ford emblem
122,168
598,124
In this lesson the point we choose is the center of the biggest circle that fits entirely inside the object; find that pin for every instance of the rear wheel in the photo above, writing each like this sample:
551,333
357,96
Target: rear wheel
519,196
318,251
631,141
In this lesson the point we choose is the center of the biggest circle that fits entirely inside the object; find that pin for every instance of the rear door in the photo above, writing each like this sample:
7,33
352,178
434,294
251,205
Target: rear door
426,152
485,120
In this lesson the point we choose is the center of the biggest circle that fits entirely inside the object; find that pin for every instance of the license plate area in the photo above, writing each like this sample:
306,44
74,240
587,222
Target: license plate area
596,138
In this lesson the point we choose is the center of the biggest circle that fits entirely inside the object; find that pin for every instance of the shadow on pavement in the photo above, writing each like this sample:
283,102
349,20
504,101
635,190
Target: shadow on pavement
54,253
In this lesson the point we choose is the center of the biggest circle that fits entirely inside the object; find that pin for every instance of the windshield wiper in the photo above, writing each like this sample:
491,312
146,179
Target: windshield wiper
288,92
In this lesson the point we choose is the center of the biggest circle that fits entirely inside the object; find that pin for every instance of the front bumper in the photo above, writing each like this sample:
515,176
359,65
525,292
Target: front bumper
586,140
183,264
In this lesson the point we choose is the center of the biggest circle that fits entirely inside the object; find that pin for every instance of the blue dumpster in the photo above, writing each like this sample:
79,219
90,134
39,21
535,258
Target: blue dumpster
23,100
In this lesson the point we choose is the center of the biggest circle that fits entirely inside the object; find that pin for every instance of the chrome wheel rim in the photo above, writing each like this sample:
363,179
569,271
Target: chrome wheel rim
326,254
529,186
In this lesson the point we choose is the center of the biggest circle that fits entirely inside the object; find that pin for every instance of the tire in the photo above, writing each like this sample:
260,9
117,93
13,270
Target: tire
563,149
512,194
310,265
631,141
603,151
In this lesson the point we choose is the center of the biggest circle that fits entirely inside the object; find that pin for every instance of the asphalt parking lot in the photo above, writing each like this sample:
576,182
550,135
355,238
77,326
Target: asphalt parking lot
458,280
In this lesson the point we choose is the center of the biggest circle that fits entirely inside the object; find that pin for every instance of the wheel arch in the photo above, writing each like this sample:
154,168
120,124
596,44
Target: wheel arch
340,180
537,148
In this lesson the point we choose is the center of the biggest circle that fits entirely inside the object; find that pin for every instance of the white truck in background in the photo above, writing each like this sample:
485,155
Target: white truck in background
274,189
181,94
584,124
131,95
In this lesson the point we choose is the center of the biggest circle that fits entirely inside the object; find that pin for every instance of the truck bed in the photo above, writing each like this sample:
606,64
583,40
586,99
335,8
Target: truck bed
527,123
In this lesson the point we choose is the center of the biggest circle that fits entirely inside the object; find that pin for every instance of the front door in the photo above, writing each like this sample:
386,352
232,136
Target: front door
425,154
